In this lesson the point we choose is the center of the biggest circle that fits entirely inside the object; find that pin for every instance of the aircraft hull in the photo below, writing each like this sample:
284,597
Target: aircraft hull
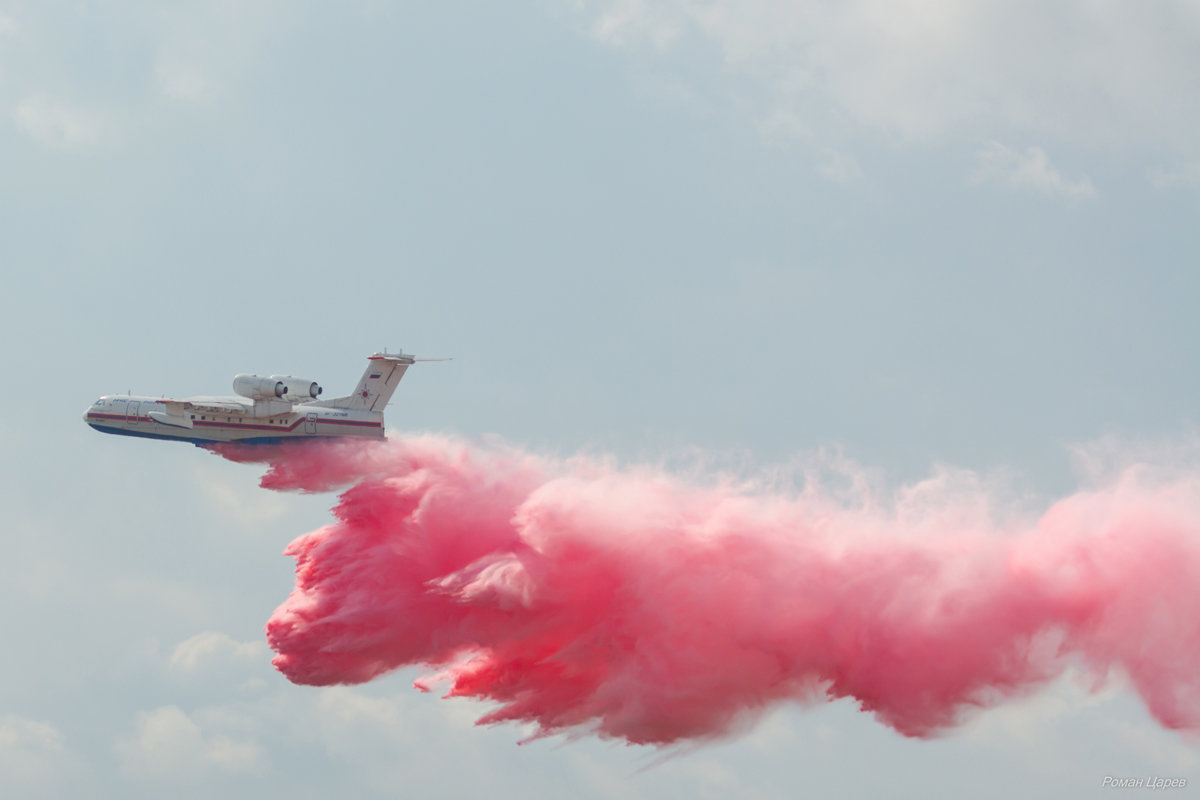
135,416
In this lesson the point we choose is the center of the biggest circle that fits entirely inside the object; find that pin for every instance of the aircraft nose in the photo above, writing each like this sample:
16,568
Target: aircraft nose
85,413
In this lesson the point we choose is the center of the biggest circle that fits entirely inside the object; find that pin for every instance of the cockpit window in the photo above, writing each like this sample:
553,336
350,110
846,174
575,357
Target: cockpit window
100,402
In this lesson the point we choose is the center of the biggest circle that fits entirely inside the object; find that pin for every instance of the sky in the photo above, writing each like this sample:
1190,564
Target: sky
918,234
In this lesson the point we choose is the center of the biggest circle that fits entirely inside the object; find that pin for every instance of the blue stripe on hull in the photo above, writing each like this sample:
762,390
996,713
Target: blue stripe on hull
148,435
202,442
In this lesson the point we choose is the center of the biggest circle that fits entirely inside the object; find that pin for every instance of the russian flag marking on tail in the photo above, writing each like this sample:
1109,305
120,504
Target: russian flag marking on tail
384,371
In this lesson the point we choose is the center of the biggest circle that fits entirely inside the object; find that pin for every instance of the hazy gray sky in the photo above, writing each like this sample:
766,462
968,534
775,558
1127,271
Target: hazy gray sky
924,232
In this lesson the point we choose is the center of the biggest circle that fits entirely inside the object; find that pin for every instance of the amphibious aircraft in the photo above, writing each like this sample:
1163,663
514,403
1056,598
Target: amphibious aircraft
269,410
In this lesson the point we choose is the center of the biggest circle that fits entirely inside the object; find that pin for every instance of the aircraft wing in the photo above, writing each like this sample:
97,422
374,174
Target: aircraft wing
179,412
213,405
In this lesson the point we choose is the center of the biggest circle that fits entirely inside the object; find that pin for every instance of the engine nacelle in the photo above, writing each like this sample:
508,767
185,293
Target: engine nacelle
299,389
257,388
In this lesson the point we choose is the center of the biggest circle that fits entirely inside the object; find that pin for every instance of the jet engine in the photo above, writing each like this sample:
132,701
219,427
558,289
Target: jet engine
299,389
257,388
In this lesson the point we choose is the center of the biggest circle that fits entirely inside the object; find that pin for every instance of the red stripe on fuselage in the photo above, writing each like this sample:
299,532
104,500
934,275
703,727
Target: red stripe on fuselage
243,426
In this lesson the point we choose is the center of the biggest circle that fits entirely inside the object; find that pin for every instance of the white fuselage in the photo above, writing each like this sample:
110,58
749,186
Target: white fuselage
229,420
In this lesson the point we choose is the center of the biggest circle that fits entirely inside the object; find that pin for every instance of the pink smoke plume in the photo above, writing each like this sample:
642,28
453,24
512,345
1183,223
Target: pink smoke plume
635,605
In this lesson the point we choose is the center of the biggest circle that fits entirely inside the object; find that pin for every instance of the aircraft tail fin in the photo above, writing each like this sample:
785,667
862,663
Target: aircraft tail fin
374,390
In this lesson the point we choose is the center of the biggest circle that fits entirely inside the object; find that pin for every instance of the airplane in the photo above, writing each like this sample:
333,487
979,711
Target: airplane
275,409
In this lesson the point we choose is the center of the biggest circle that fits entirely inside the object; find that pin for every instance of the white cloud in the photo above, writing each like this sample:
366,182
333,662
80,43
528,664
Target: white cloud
8,25
240,503
198,53
1182,175
16,732
784,126
626,21
840,167
1031,169
59,124
1082,71
1151,744
185,81
203,50
357,726
209,649
31,753
167,743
